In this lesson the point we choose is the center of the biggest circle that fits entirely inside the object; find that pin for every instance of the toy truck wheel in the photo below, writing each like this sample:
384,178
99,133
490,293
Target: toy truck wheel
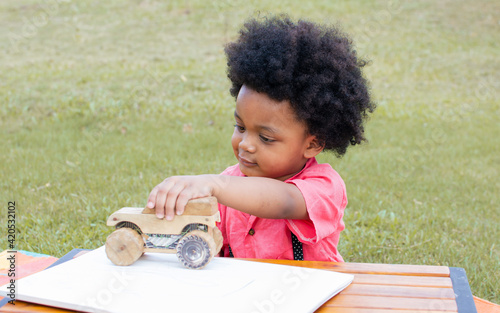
196,249
124,246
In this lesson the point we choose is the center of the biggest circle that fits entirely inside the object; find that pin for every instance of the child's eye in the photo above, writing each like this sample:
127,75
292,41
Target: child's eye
241,129
265,139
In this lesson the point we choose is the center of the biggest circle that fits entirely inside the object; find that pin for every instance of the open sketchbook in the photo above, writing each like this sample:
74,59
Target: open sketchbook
159,283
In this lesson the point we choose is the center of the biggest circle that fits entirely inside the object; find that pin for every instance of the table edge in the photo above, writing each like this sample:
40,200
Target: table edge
463,294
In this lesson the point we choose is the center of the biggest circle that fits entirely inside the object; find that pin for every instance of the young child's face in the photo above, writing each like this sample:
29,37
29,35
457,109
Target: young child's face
268,140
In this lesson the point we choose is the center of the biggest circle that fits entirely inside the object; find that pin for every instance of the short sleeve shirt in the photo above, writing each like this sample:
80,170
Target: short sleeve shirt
325,196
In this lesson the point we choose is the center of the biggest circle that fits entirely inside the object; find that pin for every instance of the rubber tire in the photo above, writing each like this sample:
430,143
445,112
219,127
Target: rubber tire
199,242
124,246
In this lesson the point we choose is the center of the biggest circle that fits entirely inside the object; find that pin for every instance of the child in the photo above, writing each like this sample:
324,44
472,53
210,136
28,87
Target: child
299,90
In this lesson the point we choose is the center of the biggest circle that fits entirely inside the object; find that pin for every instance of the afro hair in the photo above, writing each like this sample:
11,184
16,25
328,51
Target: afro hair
312,66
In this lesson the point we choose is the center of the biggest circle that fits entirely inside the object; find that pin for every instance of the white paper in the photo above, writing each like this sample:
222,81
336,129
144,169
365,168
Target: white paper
159,283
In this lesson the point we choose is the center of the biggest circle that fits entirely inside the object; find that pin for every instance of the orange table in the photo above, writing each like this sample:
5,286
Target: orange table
376,288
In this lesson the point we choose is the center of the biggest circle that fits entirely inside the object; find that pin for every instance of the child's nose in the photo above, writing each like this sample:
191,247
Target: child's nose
246,144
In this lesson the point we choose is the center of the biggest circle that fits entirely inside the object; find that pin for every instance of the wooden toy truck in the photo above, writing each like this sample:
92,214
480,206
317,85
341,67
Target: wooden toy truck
193,235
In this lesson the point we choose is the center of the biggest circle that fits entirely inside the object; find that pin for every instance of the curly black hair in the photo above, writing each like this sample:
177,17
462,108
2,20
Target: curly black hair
312,66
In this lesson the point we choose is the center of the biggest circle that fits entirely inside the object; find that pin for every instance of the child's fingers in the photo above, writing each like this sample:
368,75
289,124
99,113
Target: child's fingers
171,196
158,196
152,198
171,201
161,197
182,200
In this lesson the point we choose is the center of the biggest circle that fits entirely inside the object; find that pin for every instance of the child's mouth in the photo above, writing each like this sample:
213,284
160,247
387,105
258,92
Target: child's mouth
246,162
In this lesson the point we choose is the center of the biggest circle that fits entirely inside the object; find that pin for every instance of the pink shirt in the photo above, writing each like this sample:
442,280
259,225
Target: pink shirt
253,237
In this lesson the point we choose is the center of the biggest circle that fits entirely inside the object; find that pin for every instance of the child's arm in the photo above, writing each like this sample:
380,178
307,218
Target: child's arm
258,196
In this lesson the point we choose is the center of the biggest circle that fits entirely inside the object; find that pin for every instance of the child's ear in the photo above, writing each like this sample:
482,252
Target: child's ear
314,147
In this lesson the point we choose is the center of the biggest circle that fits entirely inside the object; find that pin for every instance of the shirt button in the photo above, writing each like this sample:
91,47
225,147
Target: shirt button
251,232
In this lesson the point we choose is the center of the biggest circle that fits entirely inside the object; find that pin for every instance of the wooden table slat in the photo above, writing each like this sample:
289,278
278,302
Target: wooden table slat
397,303
369,268
399,291
400,280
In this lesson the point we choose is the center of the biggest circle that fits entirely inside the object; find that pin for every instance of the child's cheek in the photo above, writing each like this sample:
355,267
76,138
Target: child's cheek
235,142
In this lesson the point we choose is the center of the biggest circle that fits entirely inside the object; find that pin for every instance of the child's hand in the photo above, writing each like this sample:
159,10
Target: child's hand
172,194
258,196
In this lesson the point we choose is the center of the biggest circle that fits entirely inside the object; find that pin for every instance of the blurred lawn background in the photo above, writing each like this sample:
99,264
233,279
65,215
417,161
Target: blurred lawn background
100,101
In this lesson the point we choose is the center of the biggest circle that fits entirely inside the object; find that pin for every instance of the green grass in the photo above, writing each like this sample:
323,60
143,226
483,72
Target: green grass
100,102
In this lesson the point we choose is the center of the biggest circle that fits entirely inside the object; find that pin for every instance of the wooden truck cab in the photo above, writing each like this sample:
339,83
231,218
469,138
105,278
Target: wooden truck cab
193,236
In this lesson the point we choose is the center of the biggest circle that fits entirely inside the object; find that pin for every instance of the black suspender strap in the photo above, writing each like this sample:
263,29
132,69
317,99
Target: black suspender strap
298,253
